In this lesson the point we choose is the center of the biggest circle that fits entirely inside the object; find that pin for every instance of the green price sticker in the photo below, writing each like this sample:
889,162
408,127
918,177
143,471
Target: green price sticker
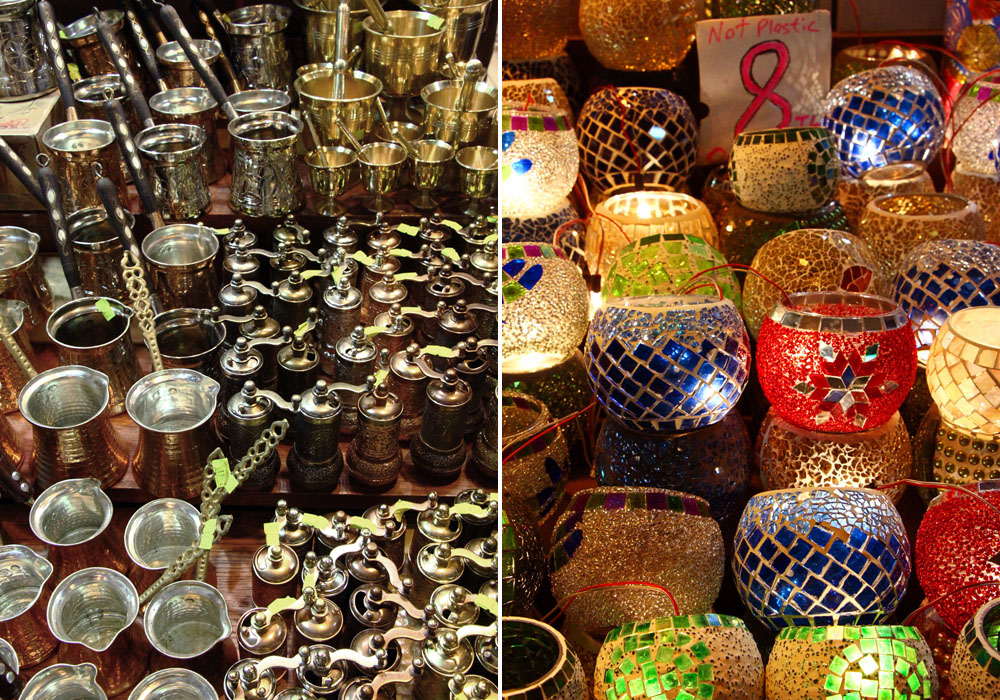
301,330
221,231
280,605
486,603
363,258
401,507
208,534
309,274
338,273
315,521
104,306
408,229
405,276
435,22
451,254
375,330
401,253
272,534
380,376
362,524
438,351
490,238
454,225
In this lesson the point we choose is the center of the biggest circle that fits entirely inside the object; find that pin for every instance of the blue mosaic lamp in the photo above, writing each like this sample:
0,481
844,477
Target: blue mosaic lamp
942,276
884,115
821,556
666,363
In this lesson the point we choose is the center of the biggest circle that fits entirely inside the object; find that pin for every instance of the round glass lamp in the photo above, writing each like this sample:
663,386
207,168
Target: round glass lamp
862,57
533,30
884,115
668,363
538,664
563,388
977,112
975,664
540,91
559,67
854,193
537,474
522,560
546,306
984,190
539,159
643,35
746,8
821,556
525,229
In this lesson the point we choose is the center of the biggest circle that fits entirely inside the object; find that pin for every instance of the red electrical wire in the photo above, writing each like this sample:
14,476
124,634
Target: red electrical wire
941,487
561,421
718,289
741,266
565,603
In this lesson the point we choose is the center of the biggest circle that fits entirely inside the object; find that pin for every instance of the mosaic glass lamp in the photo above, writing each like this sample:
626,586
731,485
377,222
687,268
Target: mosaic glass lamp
957,543
539,159
862,57
540,91
712,462
963,370
884,115
747,8
791,457
951,455
563,388
687,656
809,260
642,35
977,111
559,67
836,362
537,474
536,30
546,306
821,556
525,229
522,559
614,534
942,276
668,363
975,665
895,224
984,190
784,170
876,661
538,664
659,123
632,216
664,263
854,193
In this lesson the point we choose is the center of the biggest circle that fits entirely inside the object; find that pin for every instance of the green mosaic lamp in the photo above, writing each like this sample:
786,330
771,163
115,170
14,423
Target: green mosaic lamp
538,664
882,662
688,657
975,663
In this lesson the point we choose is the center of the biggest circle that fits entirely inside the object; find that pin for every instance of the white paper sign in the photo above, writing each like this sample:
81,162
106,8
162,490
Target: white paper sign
760,73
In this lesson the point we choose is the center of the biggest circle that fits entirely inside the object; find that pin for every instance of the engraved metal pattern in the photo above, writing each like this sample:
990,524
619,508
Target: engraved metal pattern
668,363
975,665
12,376
138,292
21,276
24,67
648,35
821,556
266,179
259,54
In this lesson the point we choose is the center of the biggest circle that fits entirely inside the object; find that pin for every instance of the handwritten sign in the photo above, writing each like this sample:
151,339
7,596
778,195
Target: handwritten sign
760,73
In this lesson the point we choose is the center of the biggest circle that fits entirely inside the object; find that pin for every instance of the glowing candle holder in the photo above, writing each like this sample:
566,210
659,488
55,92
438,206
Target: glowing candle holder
898,178
540,91
538,664
984,190
664,263
644,35
607,186
956,456
941,277
559,67
895,224
696,656
821,556
816,663
809,260
712,462
884,115
525,229
861,57
537,474
662,537
975,665
536,30
545,306
539,160
963,370
957,540
562,388
668,363
522,560
660,123
977,111
784,170
629,217
791,457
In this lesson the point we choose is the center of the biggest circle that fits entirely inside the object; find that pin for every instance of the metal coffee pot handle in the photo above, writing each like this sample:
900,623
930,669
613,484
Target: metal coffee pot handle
13,161
106,33
52,199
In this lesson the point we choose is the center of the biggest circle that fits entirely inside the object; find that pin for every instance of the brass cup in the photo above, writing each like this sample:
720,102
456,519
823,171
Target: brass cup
330,172
180,260
477,174
75,147
405,60
381,164
429,170
178,71
21,275
197,107
355,107
474,125
173,155
98,252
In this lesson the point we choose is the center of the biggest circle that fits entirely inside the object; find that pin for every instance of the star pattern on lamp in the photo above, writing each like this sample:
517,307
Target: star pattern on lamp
846,385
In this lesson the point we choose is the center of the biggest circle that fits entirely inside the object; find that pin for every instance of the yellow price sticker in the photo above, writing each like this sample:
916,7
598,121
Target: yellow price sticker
401,507
454,225
104,306
490,238
281,604
400,253
301,330
74,72
469,509
404,276
315,521
221,231
451,254
439,351
338,273
375,330
380,376
362,524
435,22
309,274
208,534
408,229
486,603
272,535
363,257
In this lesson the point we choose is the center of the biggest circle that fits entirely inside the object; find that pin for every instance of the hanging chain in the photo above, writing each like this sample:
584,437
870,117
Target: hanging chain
138,292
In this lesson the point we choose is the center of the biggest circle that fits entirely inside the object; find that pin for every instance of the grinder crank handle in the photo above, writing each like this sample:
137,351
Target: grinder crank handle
169,16
132,88
116,115
52,199
21,171
51,31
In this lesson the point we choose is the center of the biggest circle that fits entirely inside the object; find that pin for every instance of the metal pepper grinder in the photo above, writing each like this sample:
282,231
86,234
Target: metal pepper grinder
261,634
366,643
291,300
374,457
471,366
248,414
383,237
244,679
337,534
340,312
319,621
481,569
290,233
438,450
284,261
274,574
455,324
382,295
453,606
236,299
341,235
239,234
363,566
486,311
356,356
408,382
331,581
382,264
262,327
315,462
472,687
399,331
240,261
237,366
473,525
436,525
298,367
320,672
367,610
393,540
441,286
444,655
292,531
434,230
434,566
11,684
485,263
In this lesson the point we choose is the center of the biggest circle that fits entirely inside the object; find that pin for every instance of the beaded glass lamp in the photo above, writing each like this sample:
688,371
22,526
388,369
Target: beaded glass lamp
784,170
975,665
563,388
895,224
687,656
884,115
541,91
643,35
632,216
942,276
821,556
546,306
877,661
898,178
534,30
538,664
656,123
537,474
977,111
957,543
809,260
539,159
955,456
836,361
712,462
791,457
963,370
611,534
522,559
664,263
668,363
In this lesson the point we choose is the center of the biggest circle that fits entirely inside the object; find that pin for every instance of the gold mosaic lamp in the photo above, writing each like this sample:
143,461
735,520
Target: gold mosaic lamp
897,178
984,190
689,657
537,663
535,469
541,91
643,35
834,663
975,663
